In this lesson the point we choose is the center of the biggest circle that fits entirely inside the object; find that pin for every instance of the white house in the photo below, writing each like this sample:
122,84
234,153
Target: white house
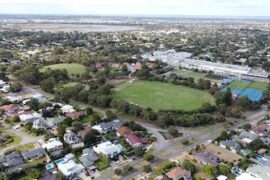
69,167
29,117
40,124
108,149
53,145
67,108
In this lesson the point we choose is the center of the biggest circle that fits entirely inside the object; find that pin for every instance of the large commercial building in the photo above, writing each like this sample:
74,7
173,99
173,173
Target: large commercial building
184,60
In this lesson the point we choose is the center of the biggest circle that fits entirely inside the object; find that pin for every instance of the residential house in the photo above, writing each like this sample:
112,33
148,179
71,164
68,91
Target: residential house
12,110
247,137
82,133
232,145
40,124
207,158
106,127
54,121
223,154
73,140
261,130
108,149
131,137
54,146
69,167
89,158
12,161
67,109
34,154
259,172
29,117
178,173
75,114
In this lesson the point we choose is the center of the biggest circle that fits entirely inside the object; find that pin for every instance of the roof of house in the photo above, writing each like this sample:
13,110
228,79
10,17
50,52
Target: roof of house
12,159
33,154
124,130
133,139
74,115
208,158
261,129
107,148
71,137
249,135
10,107
230,143
259,171
52,143
40,122
55,120
70,167
82,133
178,173
88,157
105,126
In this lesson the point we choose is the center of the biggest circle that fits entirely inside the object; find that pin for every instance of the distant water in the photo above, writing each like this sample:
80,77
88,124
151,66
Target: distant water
75,27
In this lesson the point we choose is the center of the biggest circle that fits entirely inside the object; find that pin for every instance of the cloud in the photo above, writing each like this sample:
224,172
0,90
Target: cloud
138,7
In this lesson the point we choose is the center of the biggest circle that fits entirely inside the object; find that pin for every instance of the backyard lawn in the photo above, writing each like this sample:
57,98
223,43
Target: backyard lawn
72,68
158,95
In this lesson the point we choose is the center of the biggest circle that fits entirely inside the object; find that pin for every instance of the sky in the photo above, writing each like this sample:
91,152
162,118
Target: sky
138,7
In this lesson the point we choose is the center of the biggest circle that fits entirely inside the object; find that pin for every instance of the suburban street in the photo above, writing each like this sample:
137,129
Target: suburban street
163,149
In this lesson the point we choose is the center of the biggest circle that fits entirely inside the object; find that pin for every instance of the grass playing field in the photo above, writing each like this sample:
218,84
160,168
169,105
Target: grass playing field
158,95
72,68
188,73
236,84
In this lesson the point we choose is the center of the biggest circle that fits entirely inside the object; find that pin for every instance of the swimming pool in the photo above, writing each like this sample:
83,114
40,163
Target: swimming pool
59,161
50,166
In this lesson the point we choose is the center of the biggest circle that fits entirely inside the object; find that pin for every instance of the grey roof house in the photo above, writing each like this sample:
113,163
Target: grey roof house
106,127
207,158
88,157
12,160
34,154
232,145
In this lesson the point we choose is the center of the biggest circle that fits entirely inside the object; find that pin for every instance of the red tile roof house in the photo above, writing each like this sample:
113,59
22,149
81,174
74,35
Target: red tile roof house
131,137
74,115
261,130
11,110
137,66
178,173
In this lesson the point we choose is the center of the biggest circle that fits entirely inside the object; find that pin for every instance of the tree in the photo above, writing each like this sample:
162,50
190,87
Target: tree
33,104
185,141
149,155
48,84
224,169
61,130
118,171
189,166
257,144
147,168
89,110
91,138
15,119
95,118
228,97
247,127
34,173
243,102
68,121
16,87
139,152
77,126
173,131
110,115
127,169
209,170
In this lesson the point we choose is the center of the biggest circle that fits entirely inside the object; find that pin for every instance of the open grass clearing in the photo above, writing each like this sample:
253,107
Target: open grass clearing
72,68
159,95
188,73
